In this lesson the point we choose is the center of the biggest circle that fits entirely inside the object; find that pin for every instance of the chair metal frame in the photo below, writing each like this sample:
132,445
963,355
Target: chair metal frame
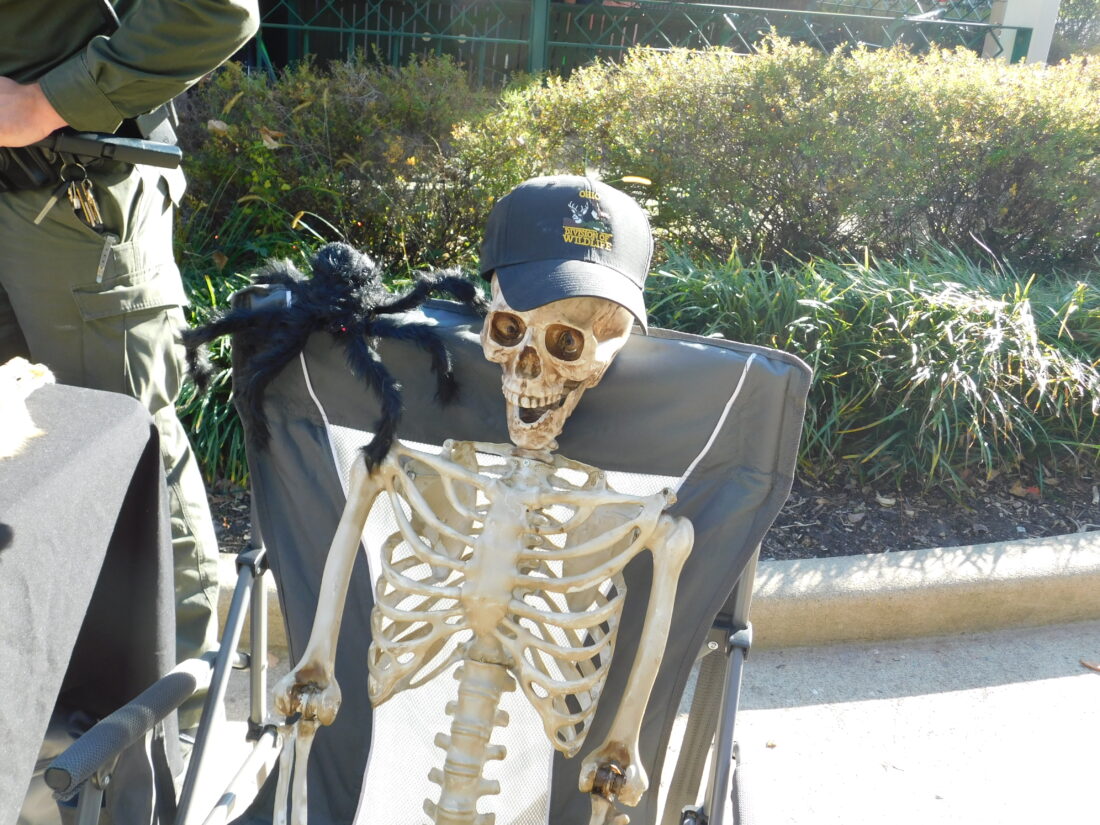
85,768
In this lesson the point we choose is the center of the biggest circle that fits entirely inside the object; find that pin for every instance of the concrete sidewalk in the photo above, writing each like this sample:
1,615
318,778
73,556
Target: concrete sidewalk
999,727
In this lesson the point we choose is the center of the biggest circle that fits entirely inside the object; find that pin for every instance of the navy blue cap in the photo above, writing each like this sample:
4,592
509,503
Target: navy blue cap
567,236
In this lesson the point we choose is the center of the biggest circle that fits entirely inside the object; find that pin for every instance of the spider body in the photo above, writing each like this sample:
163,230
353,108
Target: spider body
346,298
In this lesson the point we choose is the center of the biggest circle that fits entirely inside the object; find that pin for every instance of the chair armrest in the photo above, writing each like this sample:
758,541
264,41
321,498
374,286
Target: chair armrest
109,737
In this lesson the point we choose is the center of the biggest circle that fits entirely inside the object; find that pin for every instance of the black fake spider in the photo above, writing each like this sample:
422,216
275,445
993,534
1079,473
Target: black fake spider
346,298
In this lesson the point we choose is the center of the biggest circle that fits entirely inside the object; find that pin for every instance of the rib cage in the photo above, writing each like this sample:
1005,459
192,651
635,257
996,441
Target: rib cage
561,600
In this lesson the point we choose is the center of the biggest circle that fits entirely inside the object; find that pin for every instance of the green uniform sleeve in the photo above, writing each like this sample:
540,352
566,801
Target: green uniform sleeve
159,50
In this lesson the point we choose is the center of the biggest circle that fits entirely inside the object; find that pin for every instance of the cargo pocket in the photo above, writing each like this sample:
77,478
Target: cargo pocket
172,185
131,310
130,328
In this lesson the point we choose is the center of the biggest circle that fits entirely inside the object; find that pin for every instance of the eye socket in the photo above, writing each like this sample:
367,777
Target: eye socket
564,343
506,329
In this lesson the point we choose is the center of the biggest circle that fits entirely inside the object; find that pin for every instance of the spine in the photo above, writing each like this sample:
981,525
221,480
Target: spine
474,715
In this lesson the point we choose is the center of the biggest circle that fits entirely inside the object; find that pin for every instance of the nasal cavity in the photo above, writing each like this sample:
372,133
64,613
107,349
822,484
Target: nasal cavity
529,364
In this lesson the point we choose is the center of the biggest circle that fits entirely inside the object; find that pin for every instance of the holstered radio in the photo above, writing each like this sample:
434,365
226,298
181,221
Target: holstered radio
38,165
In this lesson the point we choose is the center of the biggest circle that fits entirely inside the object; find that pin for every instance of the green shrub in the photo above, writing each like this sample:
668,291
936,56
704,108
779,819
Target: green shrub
796,151
789,151
933,368
355,150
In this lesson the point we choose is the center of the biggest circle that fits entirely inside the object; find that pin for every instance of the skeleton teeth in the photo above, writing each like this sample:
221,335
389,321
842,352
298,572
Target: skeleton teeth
533,402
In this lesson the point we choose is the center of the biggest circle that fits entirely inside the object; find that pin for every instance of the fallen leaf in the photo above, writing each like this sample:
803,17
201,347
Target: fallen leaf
220,260
1020,491
269,137
219,127
886,501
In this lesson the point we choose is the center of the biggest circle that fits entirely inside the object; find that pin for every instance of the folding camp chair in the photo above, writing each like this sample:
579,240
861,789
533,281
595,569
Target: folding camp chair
718,422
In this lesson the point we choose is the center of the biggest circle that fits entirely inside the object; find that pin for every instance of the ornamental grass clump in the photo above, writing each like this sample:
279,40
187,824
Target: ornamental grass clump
934,369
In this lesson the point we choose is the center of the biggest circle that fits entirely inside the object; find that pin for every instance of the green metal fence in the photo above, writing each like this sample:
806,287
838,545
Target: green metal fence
495,38
973,11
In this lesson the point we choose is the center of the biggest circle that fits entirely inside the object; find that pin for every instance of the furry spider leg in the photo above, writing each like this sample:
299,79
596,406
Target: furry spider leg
261,370
424,337
456,286
236,320
365,363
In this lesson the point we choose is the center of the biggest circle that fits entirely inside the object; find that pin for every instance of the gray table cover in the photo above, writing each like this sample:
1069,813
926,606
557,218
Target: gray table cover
86,594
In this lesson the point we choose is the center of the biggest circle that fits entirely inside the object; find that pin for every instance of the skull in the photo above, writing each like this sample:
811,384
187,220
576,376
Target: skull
550,355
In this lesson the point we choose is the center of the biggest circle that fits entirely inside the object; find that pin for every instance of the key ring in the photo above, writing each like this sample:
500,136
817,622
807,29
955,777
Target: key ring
80,175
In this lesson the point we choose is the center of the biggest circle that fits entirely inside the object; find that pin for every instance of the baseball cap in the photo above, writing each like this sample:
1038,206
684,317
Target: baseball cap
568,236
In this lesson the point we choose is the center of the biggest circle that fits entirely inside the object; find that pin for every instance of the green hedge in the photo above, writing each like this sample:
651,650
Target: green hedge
765,177
797,151
790,151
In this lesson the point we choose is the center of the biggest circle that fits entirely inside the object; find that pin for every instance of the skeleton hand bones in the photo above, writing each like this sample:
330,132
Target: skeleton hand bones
309,690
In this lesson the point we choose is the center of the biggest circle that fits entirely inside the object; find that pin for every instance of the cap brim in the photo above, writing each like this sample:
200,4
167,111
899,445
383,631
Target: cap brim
529,285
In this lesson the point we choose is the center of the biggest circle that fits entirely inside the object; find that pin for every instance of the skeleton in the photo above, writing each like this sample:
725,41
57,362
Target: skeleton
507,560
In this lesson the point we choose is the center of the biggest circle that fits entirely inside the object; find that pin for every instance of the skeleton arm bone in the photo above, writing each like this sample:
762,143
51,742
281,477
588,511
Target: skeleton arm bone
310,688
671,544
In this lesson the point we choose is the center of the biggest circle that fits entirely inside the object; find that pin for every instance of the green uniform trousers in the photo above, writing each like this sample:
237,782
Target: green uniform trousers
102,310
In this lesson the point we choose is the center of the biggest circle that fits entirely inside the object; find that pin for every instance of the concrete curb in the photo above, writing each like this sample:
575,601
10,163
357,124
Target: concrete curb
896,595
909,594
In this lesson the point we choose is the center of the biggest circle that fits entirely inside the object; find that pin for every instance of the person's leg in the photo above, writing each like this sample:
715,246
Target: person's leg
106,315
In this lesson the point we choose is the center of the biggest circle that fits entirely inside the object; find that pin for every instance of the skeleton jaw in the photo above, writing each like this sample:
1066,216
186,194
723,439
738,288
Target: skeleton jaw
535,421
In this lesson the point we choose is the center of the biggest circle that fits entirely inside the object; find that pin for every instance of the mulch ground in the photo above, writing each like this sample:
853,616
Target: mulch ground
840,519
847,519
